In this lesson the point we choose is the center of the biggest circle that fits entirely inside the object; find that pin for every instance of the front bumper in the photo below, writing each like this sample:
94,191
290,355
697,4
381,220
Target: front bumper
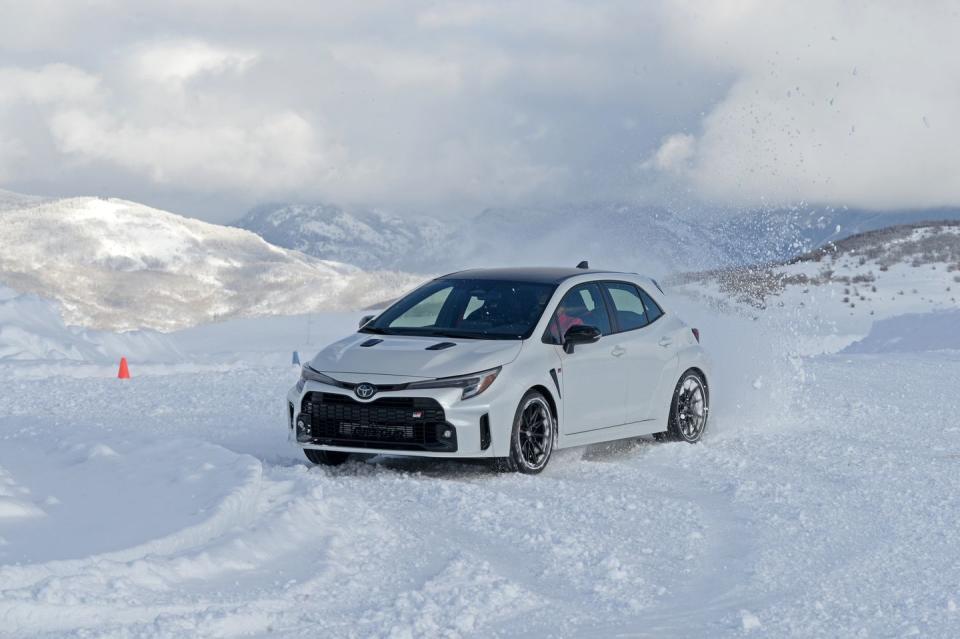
423,422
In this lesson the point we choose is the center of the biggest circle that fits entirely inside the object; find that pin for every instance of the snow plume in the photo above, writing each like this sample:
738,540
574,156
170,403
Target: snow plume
758,373
847,103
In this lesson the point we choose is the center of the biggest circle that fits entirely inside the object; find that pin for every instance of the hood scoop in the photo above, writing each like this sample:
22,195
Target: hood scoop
440,346
371,342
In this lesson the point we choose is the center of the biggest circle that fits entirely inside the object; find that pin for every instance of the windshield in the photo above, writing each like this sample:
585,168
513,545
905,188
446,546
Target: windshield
478,309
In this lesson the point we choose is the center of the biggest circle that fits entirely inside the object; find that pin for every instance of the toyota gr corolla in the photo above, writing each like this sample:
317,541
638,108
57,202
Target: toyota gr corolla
506,364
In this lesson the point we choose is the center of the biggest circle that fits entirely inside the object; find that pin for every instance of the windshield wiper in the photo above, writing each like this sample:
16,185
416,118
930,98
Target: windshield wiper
468,335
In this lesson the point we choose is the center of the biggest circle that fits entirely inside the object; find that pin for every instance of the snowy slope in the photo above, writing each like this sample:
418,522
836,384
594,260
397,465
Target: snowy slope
11,200
368,239
121,265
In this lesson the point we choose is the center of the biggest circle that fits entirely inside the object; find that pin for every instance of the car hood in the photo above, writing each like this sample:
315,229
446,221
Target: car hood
407,356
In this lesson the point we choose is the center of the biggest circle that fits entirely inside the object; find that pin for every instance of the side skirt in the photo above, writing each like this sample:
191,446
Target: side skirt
610,433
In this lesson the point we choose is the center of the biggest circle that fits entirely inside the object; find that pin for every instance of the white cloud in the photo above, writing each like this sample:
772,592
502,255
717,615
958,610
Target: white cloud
177,62
833,102
439,105
274,153
399,68
428,105
52,83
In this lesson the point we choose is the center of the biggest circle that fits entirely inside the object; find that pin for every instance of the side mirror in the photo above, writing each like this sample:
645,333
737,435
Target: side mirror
365,319
580,334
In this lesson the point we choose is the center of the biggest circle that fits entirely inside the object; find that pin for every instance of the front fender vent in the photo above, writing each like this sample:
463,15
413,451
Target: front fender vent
485,432
371,342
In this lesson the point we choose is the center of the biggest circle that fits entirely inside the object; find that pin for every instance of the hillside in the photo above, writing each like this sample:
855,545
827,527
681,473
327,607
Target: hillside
119,265
909,268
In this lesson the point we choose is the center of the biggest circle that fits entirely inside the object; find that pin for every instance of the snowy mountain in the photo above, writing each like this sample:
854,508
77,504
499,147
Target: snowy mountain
616,235
119,265
368,239
609,234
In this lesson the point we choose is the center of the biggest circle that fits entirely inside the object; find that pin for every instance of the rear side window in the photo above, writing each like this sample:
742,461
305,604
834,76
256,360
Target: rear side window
628,306
654,311
582,304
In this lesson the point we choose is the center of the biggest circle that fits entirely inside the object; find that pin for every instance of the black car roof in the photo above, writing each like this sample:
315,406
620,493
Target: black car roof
536,274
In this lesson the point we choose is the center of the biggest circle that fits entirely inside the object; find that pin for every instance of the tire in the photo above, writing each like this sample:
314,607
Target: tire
532,436
326,457
689,408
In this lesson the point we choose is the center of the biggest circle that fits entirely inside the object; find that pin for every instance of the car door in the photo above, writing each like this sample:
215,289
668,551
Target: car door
592,385
649,352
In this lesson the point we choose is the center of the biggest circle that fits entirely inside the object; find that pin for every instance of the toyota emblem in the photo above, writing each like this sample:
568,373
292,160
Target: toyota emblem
365,390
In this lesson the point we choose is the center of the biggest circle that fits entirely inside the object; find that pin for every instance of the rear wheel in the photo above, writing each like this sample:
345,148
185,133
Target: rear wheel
690,408
326,457
531,441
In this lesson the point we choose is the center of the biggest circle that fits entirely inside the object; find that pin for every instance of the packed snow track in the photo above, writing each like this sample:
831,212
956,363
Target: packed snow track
171,505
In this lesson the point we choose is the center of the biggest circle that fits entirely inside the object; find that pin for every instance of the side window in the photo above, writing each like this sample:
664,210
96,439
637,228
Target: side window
581,305
654,312
628,306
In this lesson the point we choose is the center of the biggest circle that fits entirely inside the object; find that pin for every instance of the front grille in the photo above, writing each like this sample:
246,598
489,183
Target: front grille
390,423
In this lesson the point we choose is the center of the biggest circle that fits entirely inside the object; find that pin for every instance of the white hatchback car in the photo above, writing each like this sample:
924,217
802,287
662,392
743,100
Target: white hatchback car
506,364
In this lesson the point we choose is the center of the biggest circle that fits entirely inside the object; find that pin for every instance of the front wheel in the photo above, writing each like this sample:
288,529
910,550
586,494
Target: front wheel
326,457
689,408
531,441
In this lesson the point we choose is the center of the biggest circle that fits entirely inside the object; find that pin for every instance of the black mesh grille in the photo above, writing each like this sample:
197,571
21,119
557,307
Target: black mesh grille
392,423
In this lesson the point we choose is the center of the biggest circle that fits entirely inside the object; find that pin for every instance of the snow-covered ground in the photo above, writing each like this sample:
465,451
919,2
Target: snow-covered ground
823,501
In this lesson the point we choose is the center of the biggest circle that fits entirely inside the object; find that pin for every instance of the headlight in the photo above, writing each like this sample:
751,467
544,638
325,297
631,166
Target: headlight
307,373
472,384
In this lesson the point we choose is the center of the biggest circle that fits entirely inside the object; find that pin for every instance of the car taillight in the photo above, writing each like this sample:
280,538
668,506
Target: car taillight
696,333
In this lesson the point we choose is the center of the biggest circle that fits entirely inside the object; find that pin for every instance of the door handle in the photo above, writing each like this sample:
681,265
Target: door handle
618,351
665,341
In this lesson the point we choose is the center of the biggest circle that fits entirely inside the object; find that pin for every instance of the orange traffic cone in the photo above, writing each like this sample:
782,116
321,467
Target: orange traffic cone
124,372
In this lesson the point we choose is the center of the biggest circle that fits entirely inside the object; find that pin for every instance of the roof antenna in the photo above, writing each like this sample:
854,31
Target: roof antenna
583,264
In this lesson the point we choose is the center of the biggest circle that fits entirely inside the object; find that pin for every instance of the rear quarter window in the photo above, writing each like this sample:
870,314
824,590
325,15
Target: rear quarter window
654,312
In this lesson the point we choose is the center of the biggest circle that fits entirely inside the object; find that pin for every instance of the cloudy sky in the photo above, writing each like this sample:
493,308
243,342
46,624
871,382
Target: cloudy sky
208,108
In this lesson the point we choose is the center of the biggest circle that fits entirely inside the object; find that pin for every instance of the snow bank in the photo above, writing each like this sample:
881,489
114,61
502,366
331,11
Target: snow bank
913,332
32,328
35,343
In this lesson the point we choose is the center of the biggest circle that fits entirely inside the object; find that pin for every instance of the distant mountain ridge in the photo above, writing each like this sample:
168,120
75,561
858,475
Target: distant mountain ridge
368,239
610,234
614,234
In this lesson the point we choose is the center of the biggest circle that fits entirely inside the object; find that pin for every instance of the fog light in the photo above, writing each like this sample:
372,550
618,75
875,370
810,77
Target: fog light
303,430
447,433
